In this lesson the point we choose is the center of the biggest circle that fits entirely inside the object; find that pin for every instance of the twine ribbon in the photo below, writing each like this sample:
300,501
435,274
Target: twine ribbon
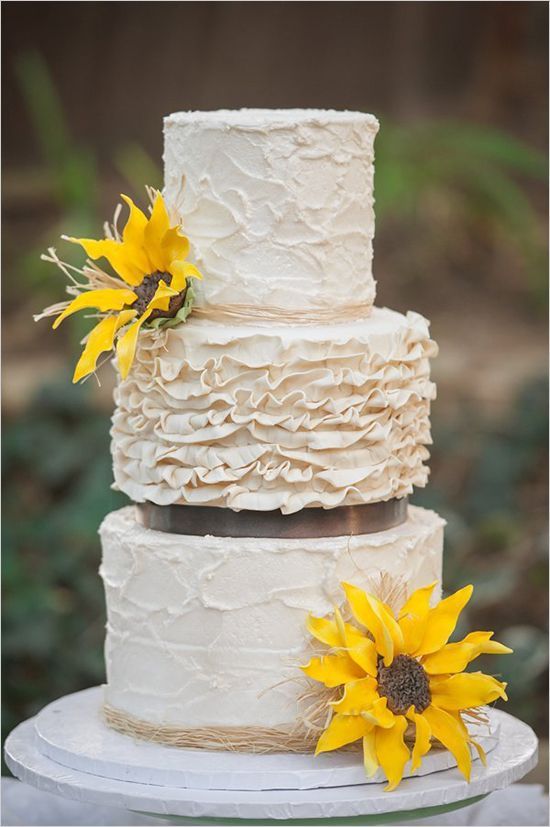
232,739
243,313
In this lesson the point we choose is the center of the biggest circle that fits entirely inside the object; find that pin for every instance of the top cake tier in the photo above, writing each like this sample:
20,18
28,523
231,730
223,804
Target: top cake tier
278,205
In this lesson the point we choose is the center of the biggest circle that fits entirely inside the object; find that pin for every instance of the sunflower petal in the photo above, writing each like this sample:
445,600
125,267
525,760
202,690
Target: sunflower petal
488,646
324,630
333,670
392,752
342,730
126,345
480,751
175,245
370,761
181,271
379,714
157,227
330,631
133,238
364,654
103,300
389,625
466,690
442,620
358,696
418,603
100,339
422,740
458,718
134,229
372,614
454,657
448,731
116,253
413,617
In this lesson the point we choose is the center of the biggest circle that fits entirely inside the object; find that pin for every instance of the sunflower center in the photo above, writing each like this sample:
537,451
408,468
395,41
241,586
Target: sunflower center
147,289
404,683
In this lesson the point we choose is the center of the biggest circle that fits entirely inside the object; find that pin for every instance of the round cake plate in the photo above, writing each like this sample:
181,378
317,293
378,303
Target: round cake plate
72,733
417,797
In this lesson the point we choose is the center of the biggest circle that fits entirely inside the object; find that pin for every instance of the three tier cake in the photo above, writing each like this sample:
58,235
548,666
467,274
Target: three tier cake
270,442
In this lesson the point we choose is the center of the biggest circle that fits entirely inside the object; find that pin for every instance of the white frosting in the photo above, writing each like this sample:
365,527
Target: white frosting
202,630
278,204
276,417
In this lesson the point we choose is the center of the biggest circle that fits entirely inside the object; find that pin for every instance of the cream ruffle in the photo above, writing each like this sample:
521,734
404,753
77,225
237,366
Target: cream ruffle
269,417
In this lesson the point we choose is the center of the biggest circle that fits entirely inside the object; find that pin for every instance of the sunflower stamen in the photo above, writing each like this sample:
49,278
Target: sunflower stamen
146,291
404,684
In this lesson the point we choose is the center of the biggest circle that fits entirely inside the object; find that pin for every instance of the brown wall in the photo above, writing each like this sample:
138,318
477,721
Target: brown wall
120,67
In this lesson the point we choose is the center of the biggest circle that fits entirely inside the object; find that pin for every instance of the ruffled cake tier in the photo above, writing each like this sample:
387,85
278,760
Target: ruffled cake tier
210,631
265,417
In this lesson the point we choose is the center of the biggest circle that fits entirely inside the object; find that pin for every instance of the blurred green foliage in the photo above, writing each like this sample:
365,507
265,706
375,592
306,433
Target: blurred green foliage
497,534
57,488
71,180
72,167
487,477
432,175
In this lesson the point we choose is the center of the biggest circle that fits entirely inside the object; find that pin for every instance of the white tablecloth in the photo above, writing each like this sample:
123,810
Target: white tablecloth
24,806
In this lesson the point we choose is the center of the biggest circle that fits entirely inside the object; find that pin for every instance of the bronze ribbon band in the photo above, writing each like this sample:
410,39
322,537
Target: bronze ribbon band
309,522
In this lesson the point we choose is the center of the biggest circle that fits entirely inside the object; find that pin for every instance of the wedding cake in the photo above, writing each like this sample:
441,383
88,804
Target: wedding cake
269,443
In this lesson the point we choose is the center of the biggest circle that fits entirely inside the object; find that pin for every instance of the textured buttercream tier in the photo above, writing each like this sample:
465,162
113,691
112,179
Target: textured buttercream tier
270,417
278,205
209,631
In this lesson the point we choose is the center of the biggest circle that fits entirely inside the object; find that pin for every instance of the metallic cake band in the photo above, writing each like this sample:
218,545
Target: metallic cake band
309,522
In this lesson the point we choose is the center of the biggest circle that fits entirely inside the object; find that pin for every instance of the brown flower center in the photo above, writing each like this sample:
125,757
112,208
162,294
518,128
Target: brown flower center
147,289
404,684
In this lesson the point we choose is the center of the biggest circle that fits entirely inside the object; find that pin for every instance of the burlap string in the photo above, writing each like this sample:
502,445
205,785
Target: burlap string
233,739
251,313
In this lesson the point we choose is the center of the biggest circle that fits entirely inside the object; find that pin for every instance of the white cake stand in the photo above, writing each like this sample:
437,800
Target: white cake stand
68,750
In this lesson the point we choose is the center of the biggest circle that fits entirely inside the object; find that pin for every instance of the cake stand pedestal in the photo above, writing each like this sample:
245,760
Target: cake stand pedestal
68,750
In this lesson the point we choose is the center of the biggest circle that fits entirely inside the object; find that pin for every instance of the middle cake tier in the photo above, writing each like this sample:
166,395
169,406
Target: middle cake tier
276,417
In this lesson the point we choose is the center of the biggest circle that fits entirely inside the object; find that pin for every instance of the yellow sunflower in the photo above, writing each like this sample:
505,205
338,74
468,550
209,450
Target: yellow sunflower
400,670
149,260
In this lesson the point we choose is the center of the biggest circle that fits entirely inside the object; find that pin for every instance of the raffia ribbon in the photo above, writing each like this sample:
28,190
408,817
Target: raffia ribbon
232,739
244,313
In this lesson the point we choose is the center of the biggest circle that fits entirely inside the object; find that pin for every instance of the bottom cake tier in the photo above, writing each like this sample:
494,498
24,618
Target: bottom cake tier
209,632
